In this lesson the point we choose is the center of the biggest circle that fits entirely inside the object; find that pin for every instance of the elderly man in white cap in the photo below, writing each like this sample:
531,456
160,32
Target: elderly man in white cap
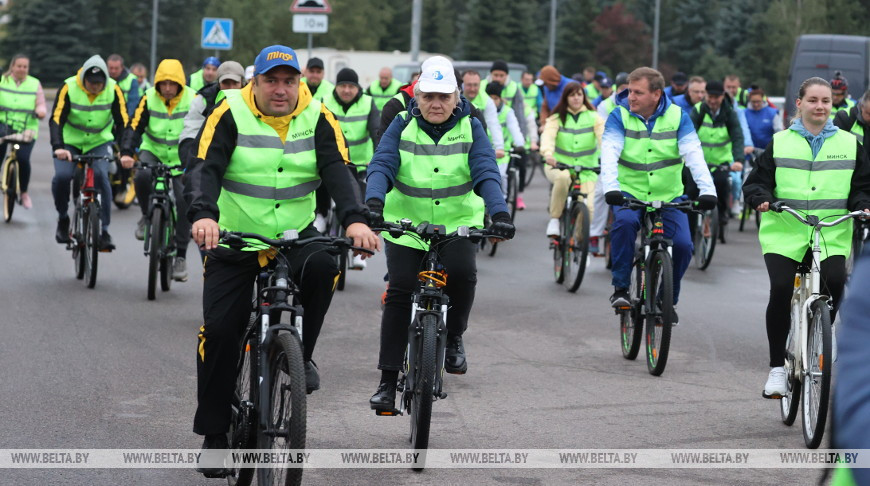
436,164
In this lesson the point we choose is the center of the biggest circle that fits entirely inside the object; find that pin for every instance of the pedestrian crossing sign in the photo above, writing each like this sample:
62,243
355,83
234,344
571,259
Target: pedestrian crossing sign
217,33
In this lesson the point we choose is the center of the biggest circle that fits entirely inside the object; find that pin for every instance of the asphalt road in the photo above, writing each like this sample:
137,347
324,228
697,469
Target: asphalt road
106,368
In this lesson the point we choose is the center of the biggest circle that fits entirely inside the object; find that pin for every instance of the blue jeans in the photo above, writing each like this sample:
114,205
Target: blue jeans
627,222
736,185
63,176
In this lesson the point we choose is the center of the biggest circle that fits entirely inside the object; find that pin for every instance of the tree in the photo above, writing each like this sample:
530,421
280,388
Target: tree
623,41
55,53
575,37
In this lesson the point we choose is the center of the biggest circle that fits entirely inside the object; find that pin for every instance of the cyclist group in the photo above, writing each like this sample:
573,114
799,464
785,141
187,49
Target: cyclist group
278,153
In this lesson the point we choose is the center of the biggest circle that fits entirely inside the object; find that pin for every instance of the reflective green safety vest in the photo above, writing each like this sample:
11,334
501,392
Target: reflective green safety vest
434,181
381,95
576,143
479,101
817,186
509,92
508,139
17,103
715,141
196,81
650,166
125,84
89,123
592,92
843,477
324,90
849,104
161,134
530,98
858,131
609,104
354,125
269,184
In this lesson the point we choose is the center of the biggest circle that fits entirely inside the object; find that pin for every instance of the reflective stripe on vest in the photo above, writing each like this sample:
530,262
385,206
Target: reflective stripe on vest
530,97
161,134
715,141
650,167
819,187
89,123
268,186
834,109
858,131
354,125
576,143
18,104
382,95
434,181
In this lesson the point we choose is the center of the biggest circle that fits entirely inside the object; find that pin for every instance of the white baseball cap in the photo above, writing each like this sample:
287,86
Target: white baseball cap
435,60
438,78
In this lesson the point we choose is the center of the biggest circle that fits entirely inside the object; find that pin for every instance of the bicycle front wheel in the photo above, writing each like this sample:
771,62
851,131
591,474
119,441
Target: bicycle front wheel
10,191
424,384
286,408
576,246
532,160
512,191
660,310
817,377
79,227
631,320
242,433
706,234
92,243
154,235
167,257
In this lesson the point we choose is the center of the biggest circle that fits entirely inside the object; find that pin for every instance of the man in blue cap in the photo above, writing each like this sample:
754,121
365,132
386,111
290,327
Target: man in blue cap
206,76
262,152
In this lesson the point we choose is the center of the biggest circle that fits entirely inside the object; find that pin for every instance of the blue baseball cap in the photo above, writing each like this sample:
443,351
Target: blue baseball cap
274,56
211,61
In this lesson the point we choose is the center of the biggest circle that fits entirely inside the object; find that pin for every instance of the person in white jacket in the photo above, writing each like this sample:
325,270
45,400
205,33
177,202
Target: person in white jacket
509,128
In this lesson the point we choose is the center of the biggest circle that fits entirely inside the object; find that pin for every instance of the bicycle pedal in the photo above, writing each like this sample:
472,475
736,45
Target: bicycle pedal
771,397
388,413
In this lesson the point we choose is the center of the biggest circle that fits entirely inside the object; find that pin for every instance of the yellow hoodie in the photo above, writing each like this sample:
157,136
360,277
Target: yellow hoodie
170,70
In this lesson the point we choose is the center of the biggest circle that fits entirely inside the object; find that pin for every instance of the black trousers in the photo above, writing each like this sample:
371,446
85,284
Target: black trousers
403,263
226,305
142,182
722,181
781,271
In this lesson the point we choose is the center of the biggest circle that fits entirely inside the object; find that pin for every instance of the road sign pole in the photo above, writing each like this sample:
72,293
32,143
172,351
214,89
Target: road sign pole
153,68
310,44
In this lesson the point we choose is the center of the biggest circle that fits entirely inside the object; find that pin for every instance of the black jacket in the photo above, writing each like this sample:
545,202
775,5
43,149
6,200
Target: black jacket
844,119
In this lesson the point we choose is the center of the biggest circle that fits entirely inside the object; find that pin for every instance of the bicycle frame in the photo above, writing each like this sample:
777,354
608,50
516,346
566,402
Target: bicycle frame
162,198
84,183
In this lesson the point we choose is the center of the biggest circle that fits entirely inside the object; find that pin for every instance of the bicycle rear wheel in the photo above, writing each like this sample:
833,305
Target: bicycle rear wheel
167,257
154,235
532,160
243,432
10,193
817,377
660,303
558,257
424,384
286,408
631,320
576,246
512,191
92,243
706,234
788,403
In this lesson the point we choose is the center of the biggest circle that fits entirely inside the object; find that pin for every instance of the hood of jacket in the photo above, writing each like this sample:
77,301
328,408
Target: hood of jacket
436,131
170,70
93,61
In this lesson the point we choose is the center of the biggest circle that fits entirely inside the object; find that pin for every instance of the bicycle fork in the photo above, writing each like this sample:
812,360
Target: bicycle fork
407,385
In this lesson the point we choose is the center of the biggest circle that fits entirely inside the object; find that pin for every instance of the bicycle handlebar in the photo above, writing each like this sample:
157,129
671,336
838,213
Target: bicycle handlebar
577,168
813,220
433,232
633,203
89,157
236,240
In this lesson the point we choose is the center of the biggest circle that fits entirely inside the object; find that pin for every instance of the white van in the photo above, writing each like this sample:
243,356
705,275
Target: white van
824,54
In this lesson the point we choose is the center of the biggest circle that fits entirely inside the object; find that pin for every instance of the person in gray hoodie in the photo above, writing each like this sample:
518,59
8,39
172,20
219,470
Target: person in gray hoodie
87,117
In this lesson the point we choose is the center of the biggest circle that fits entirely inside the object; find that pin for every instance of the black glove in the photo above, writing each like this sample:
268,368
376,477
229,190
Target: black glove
502,227
614,198
707,201
376,212
520,150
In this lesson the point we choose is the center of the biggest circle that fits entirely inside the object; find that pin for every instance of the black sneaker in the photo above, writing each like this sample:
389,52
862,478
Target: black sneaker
106,242
620,298
211,460
384,399
312,377
61,235
454,361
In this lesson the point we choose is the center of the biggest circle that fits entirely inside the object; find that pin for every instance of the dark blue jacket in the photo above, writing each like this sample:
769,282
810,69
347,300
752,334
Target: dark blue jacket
852,388
682,102
761,124
485,176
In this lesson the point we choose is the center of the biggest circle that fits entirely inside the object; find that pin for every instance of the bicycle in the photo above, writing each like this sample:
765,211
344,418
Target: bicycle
86,228
652,288
706,235
421,380
747,211
510,198
532,161
10,184
161,218
336,230
809,344
269,401
860,235
571,247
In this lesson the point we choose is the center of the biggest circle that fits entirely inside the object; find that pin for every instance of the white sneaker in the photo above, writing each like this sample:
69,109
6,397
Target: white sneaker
358,263
736,208
553,227
776,385
320,223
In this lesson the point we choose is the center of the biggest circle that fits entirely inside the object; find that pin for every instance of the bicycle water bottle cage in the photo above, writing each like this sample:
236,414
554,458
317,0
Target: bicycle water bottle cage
290,235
